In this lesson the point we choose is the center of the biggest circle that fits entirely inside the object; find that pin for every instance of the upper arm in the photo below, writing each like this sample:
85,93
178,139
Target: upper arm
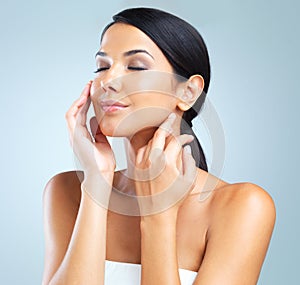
238,238
60,204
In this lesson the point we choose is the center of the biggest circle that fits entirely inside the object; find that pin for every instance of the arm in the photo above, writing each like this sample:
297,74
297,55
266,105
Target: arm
75,245
242,221
238,238
76,254
158,247
165,193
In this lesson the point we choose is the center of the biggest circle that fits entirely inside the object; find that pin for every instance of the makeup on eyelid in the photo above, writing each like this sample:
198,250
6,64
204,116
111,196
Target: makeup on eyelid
135,65
137,59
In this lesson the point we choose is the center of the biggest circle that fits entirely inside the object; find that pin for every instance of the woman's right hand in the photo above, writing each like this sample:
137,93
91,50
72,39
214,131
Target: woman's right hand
96,158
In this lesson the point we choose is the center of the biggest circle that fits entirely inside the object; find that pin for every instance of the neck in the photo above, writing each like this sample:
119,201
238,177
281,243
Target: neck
140,139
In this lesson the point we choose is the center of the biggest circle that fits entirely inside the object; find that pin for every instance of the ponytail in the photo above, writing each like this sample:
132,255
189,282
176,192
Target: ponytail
197,151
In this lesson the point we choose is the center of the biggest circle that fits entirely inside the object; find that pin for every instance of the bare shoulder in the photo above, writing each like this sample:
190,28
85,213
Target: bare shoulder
242,194
64,185
61,199
244,201
241,221
222,199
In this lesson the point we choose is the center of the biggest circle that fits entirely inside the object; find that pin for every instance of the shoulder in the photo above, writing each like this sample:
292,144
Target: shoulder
241,221
62,186
240,195
65,187
61,199
221,201
245,203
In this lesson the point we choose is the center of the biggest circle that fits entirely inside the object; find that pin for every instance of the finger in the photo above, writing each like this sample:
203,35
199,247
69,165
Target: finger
84,95
82,114
174,147
189,165
140,155
72,113
96,131
164,130
86,91
147,150
75,107
81,118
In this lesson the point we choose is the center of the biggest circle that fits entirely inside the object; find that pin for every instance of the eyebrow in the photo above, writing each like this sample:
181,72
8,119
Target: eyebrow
127,53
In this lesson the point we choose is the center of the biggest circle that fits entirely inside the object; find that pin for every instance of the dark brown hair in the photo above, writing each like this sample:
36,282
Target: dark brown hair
183,47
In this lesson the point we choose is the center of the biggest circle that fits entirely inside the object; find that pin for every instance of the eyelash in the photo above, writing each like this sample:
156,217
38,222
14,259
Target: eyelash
129,67
100,69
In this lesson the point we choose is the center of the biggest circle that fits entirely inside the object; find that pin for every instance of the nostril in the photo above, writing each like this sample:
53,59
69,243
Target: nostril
111,88
111,85
102,85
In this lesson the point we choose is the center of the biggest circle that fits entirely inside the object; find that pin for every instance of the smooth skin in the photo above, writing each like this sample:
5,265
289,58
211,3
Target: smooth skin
224,238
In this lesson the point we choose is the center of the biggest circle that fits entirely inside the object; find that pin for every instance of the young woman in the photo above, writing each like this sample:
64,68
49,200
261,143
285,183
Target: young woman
145,224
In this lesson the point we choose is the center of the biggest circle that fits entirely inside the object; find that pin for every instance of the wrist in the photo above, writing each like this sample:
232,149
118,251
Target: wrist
98,187
99,177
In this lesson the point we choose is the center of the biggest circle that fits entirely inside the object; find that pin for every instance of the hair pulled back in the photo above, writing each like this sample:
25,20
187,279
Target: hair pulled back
185,50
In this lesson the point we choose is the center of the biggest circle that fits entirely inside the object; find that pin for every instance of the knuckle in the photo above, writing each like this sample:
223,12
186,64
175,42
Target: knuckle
158,133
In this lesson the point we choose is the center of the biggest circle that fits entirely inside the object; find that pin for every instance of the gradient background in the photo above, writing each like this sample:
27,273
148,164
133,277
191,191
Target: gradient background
47,56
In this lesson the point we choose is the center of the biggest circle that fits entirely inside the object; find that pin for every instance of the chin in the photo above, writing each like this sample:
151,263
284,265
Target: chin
112,130
125,130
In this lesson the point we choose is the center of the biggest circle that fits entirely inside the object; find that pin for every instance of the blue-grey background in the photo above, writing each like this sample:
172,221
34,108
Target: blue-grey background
47,56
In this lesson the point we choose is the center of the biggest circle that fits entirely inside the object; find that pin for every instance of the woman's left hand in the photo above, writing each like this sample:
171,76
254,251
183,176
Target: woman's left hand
165,172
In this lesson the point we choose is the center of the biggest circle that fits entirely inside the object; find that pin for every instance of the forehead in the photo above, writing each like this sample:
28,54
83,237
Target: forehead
123,37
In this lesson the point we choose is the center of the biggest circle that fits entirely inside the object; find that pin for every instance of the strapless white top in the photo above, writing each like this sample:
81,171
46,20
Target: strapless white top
121,273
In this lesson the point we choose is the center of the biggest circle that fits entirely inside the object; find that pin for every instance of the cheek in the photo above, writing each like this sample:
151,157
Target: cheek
150,80
154,100
133,122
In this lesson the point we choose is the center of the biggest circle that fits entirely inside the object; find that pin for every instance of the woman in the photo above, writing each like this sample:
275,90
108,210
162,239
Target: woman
152,77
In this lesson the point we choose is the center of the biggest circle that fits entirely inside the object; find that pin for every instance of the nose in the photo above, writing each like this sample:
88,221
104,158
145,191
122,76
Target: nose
113,85
112,80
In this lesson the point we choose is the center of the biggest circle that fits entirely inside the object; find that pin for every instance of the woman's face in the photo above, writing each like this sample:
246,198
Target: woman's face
132,72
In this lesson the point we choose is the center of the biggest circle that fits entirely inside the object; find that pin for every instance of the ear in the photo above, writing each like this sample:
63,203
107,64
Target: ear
189,92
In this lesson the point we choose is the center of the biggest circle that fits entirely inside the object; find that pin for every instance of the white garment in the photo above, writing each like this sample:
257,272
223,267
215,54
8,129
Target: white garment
121,273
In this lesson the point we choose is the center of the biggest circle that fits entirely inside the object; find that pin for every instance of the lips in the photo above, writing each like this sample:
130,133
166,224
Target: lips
112,105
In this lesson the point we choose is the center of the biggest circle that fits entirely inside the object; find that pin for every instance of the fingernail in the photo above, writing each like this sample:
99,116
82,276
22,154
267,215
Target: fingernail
188,149
172,116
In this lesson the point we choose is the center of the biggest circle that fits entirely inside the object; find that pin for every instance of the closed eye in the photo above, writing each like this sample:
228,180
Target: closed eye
129,67
100,69
136,68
